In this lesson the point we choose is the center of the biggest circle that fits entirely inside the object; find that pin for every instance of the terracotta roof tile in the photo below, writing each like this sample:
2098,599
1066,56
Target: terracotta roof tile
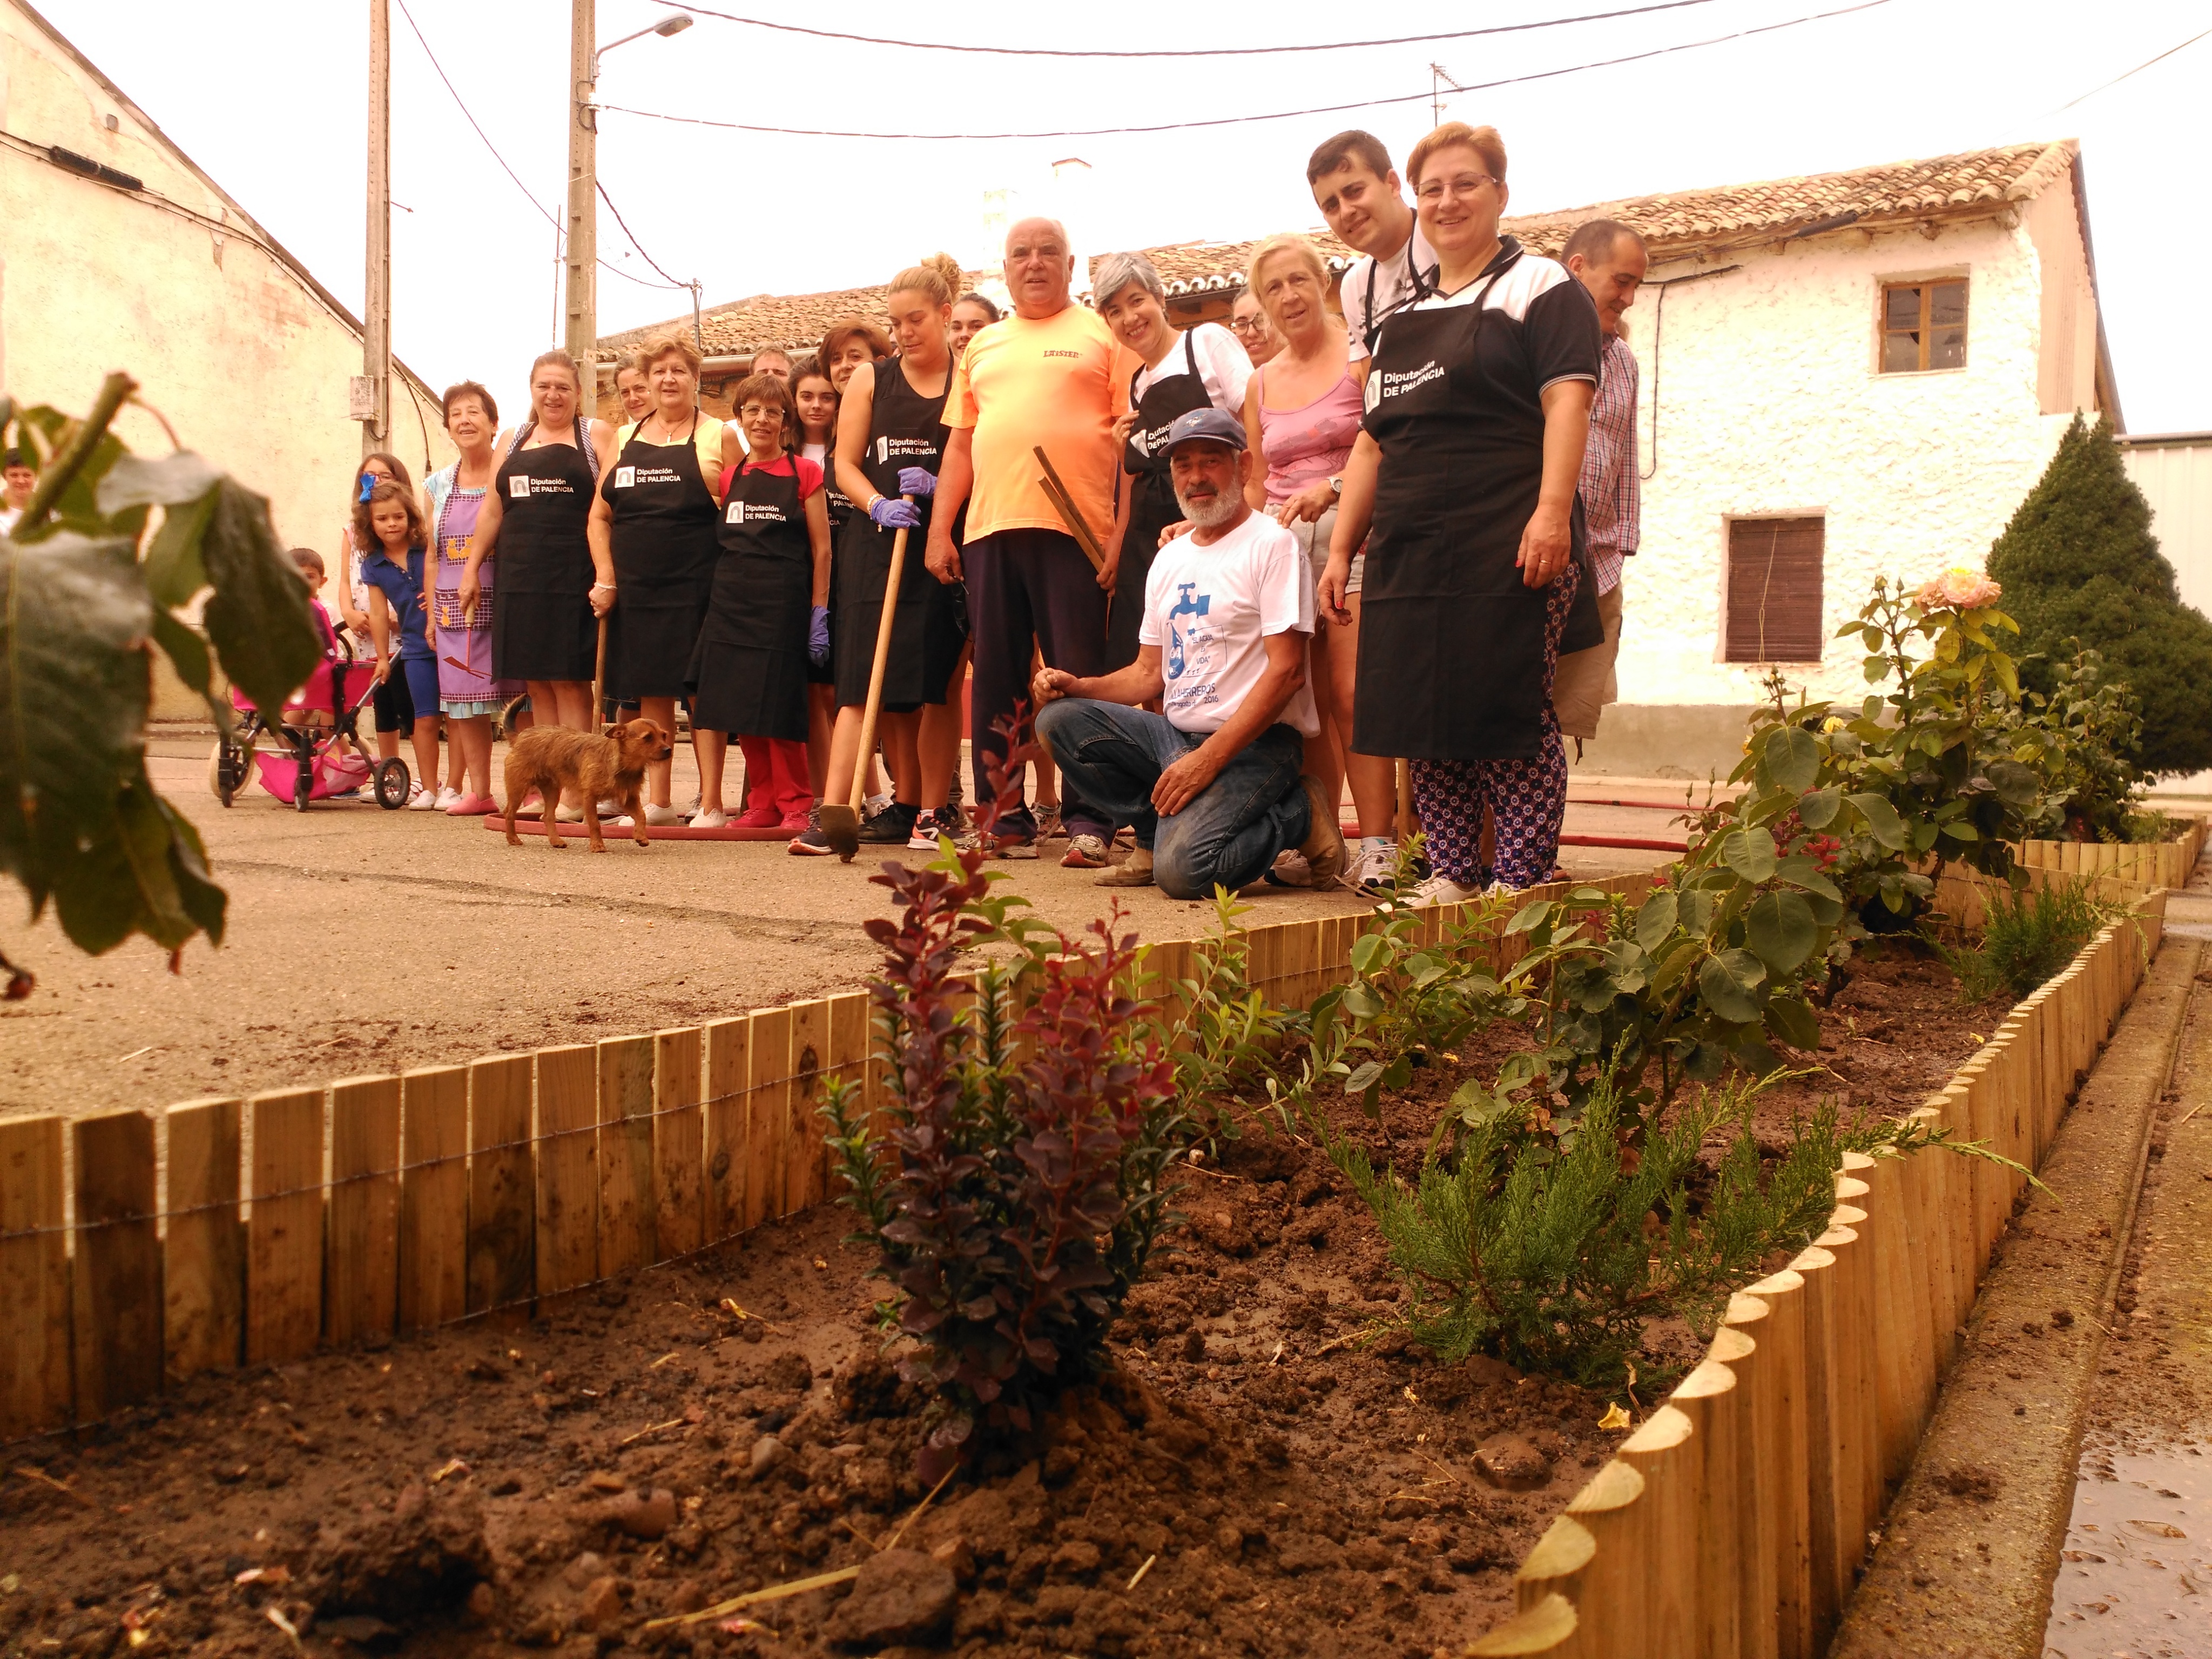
1676,223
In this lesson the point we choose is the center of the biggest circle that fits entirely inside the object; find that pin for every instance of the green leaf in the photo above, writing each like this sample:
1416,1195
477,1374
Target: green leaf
1802,870
174,574
1792,1019
1365,949
1364,1078
1730,982
78,508
73,688
1529,917
1655,920
1696,915
1750,853
1960,829
1779,927
1818,810
1793,758
1362,1004
1876,668
258,616
2016,786
1883,822
169,481
188,654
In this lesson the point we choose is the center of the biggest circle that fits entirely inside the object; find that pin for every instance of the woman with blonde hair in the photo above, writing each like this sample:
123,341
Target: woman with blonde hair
655,521
553,584
890,443
1301,415
1466,472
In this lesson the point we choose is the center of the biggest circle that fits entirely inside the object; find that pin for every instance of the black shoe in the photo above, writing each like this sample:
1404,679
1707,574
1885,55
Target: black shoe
891,827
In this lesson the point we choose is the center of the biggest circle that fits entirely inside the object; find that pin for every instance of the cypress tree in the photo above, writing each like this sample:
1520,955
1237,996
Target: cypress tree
2078,562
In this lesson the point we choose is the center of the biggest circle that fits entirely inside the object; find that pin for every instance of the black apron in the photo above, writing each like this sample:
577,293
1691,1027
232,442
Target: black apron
1451,642
841,510
748,672
542,626
905,429
1153,506
665,544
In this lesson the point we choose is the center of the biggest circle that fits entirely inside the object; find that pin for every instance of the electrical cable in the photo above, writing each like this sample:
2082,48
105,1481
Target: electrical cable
1240,120
461,104
632,235
1192,51
2137,70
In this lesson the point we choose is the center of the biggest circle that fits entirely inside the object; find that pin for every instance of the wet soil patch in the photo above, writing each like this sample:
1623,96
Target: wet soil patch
1268,1466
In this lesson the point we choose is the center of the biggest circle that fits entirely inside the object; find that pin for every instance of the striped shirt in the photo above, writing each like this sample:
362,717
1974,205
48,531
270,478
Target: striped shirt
1613,504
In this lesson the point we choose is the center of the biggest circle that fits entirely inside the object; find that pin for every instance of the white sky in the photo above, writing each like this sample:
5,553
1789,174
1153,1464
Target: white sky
271,101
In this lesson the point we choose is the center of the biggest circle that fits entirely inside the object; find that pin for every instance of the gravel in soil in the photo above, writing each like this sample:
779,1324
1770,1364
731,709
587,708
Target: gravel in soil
1267,1466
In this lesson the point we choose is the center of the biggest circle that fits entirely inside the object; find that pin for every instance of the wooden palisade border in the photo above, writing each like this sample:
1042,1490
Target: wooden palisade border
1733,1520
2148,863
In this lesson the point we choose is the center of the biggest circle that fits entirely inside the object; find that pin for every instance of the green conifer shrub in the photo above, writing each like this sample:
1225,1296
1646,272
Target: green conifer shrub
2078,562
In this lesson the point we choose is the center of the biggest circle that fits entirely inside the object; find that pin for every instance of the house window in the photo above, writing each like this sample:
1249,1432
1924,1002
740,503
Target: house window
1774,590
1924,326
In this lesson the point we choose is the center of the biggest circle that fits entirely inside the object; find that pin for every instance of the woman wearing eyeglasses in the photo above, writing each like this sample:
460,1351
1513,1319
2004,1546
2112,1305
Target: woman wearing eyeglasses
1248,321
1462,485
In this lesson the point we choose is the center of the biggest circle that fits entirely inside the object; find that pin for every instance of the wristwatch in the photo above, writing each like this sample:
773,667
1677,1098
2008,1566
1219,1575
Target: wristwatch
1336,486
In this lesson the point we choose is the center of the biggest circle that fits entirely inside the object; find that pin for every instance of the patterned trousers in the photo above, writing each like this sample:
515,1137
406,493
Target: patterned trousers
1526,797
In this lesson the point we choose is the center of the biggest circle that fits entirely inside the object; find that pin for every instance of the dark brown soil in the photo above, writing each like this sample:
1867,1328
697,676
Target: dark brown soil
1286,1471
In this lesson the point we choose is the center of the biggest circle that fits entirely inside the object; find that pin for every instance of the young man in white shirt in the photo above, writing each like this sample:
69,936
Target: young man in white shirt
1358,193
20,478
1213,784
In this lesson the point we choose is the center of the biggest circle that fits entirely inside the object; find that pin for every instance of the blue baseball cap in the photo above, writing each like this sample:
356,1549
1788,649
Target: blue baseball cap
1215,425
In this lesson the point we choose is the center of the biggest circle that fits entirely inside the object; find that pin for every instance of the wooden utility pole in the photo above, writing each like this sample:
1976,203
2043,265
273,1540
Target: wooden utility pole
582,332
371,400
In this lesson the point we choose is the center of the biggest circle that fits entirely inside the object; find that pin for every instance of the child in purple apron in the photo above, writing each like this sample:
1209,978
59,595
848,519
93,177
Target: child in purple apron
468,694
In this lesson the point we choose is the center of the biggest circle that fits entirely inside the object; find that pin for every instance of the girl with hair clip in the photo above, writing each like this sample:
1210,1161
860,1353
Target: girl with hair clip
891,442
655,522
390,523
767,616
554,583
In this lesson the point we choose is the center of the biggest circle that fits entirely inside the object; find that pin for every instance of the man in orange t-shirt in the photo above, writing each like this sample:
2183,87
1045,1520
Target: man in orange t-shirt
1045,377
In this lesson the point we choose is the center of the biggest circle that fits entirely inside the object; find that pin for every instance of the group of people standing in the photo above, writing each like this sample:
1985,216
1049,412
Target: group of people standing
1239,571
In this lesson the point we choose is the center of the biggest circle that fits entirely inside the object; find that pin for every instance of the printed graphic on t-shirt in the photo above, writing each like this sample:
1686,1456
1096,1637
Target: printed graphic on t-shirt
522,485
628,477
1192,659
625,477
519,485
754,512
1397,383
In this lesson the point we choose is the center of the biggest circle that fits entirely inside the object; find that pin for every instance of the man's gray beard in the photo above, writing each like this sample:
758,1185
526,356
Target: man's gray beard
1223,509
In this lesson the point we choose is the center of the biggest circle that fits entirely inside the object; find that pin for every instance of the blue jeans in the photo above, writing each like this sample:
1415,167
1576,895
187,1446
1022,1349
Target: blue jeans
1112,756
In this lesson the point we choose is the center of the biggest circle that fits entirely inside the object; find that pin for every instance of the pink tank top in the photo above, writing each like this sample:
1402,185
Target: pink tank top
1307,445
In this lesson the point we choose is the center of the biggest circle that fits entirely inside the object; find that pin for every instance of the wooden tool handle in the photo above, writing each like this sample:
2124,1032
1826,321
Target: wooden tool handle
1063,501
877,669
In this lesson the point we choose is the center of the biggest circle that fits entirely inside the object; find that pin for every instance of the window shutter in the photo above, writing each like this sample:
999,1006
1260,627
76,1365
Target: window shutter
1774,590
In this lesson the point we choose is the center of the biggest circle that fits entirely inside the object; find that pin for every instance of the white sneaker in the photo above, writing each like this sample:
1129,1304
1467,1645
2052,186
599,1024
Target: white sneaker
876,803
564,813
1440,889
420,799
448,796
713,819
690,808
1370,873
661,817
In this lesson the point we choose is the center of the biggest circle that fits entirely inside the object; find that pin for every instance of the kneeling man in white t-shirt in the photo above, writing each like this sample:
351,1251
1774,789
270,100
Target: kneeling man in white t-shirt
1213,785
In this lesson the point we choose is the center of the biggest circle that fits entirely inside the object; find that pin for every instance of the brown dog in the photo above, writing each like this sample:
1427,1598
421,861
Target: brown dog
552,759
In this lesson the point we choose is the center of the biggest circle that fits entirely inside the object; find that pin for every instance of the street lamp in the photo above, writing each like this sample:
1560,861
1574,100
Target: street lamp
584,55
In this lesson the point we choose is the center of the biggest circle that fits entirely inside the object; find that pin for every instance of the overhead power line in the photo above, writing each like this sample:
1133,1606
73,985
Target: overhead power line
633,242
1191,52
2137,70
529,196
1242,120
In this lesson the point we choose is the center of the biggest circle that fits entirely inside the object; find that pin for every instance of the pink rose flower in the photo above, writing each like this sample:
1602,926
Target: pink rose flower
1959,589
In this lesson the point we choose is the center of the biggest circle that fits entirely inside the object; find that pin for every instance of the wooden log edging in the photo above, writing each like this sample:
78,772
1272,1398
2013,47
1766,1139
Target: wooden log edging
2145,864
1749,1546
327,1217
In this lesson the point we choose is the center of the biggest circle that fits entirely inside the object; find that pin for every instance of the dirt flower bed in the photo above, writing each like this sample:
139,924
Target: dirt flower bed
1268,1467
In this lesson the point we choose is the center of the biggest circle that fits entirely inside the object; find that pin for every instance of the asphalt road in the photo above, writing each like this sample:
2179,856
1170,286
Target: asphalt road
366,941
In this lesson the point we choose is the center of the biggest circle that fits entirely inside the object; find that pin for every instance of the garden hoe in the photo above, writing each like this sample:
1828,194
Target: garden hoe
841,821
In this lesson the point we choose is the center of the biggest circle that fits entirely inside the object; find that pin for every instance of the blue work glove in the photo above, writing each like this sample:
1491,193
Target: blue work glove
818,636
893,514
917,481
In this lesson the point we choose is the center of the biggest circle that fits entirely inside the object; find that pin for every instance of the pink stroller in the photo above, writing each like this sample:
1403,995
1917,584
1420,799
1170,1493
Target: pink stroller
309,765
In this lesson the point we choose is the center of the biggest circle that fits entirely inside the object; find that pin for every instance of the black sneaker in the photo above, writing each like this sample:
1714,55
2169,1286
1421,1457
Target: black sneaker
891,827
